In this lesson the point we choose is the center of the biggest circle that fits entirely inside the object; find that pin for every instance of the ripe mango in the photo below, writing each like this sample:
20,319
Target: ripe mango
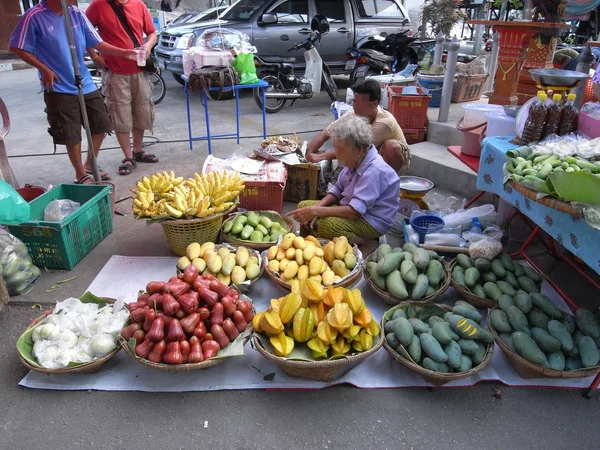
283,264
206,246
337,279
319,252
282,344
223,252
228,264
327,277
288,241
326,332
314,240
215,263
314,266
318,348
340,317
291,270
340,247
328,253
225,279
208,253
339,268
309,251
324,267
316,278
280,254
252,271
299,243
252,260
271,323
303,272
299,257
274,265
303,325
350,260
290,253
200,264
272,253
289,306
193,251
183,262
238,275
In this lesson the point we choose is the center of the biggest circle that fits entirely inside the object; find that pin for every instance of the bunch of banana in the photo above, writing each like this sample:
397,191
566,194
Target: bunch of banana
163,194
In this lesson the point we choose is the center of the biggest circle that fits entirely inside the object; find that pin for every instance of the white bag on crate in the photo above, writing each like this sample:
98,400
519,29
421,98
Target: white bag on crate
197,57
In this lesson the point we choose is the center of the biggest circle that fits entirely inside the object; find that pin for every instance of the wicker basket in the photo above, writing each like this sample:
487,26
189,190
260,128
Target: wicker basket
527,369
179,367
389,299
181,233
436,378
317,370
90,367
559,205
477,302
289,224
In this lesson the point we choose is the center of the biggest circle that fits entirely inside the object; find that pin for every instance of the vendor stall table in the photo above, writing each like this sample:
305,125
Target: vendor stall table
571,231
472,163
205,101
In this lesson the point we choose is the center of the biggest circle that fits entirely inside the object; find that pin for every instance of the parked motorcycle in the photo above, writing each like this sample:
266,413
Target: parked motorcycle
284,85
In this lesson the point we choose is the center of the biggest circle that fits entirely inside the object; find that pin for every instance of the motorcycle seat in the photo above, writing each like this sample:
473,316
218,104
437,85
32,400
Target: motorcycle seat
377,55
278,59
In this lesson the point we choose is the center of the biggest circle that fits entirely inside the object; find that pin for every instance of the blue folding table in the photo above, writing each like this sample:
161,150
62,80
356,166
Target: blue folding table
205,100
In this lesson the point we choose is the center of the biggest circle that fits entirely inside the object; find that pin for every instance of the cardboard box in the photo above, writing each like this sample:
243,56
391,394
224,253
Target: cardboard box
302,182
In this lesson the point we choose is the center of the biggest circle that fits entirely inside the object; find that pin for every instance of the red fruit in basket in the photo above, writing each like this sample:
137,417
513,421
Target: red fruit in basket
200,282
209,297
178,288
188,302
216,316
174,280
135,305
184,346
157,330
210,348
173,354
143,349
150,317
190,274
200,331
128,331
219,288
228,305
156,354
179,314
155,287
143,297
246,310
170,306
239,321
175,331
196,355
234,294
230,330
139,336
139,315
219,335
190,322
204,313
155,301
164,317
209,277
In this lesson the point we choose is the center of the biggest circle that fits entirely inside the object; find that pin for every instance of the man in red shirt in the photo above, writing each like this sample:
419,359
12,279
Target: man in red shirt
125,86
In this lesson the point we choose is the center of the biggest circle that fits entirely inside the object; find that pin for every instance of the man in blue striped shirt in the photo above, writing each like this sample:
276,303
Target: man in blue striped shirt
40,39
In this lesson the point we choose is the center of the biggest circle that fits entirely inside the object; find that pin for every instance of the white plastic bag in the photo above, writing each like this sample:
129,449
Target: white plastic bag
485,248
492,232
57,210
16,267
463,218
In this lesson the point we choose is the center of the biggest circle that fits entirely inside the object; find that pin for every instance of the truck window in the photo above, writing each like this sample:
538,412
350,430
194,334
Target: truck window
378,9
291,11
243,10
334,10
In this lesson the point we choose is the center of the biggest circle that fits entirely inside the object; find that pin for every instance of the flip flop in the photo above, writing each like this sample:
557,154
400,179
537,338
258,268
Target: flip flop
126,169
145,157
86,179
103,177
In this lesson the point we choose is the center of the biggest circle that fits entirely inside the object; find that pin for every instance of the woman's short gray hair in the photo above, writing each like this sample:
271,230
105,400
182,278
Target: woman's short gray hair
354,129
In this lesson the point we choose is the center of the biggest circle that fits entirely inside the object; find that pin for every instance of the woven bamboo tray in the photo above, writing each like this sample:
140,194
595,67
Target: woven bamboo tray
389,299
90,367
289,224
527,369
318,370
477,302
181,233
550,202
436,378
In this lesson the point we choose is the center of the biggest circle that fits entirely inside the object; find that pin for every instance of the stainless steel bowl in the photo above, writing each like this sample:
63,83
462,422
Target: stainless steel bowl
415,185
511,110
557,77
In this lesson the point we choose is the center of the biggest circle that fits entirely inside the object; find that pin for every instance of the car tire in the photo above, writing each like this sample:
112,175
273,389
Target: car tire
178,78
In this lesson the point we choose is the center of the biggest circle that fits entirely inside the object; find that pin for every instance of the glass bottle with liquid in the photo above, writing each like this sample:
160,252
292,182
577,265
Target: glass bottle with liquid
553,117
568,120
534,125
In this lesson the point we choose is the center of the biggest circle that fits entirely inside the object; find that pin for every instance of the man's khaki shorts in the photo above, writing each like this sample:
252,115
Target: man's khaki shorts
129,100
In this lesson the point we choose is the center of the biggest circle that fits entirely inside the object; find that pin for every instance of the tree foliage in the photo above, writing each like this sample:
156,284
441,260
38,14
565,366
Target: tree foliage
442,15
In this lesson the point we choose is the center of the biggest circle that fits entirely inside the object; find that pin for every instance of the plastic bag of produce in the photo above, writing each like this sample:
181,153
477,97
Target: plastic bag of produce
57,210
13,208
244,64
485,248
18,271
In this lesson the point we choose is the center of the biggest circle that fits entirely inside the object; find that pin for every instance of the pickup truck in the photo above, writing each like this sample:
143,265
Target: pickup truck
352,22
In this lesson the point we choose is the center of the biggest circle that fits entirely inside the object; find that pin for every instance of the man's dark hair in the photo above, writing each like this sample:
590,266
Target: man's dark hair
369,87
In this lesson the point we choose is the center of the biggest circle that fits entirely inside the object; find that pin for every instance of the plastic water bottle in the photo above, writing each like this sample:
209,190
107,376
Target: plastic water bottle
477,228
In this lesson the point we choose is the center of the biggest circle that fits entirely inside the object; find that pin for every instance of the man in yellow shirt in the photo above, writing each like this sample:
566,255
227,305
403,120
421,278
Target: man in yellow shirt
388,137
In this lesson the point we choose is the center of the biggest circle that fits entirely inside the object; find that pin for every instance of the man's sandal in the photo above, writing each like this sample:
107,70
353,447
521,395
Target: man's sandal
145,157
86,179
104,176
127,166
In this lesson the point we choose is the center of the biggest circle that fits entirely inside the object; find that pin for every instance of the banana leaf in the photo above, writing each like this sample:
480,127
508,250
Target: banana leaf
582,187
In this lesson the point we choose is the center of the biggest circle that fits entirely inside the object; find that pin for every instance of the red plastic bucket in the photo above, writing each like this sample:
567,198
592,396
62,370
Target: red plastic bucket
30,192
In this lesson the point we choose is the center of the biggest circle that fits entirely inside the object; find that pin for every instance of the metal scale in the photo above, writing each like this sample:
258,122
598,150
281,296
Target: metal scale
412,191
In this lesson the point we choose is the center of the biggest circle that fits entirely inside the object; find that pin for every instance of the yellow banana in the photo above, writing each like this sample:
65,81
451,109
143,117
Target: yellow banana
141,186
173,212
180,204
146,182
191,200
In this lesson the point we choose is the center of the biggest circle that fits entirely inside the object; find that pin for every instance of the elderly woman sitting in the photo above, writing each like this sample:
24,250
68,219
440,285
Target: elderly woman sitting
364,200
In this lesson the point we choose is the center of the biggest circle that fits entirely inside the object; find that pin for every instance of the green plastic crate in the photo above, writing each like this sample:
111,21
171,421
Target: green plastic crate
61,245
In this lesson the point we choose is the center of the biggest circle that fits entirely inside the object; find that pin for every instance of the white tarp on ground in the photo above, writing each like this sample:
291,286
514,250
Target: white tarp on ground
124,276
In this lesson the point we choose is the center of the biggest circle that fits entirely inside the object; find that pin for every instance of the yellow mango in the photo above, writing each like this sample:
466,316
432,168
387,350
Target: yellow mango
290,270
282,344
350,260
280,254
363,318
328,252
252,260
228,264
288,241
340,316
272,253
314,240
183,262
288,307
314,266
327,277
299,257
215,263
225,279
316,278
252,271
309,251
271,323
208,254
193,251
339,268
350,249
205,247
238,275
319,252
241,256
318,348
256,322
299,243
340,247
336,279
339,346
274,265
311,290
324,267
200,264
303,325
290,253
302,272
326,332
223,252
283,264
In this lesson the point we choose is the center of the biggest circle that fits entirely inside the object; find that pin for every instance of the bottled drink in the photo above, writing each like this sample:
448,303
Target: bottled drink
568,120
534,125
553,117
477,228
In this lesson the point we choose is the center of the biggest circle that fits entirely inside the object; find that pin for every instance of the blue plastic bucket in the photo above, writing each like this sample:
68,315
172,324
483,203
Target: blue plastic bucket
434,83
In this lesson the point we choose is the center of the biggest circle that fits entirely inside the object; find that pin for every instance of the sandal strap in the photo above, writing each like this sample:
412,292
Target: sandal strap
83,179
143,156
131,160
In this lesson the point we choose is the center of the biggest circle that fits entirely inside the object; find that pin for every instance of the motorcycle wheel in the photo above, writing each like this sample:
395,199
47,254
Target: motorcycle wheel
330,85
158,86
273,105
